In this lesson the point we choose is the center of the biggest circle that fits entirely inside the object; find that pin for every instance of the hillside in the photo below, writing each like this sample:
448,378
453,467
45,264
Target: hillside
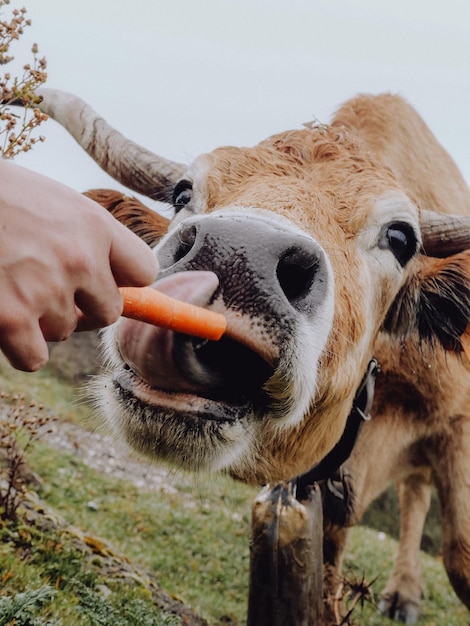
111,539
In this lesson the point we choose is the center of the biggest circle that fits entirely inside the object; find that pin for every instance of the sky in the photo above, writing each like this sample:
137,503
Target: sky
183,77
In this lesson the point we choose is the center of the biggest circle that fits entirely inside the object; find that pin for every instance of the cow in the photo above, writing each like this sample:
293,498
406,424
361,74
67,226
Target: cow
324,247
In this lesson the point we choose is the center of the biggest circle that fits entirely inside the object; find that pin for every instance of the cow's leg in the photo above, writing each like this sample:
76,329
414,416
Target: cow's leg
452,474
457,563
364,479
402,596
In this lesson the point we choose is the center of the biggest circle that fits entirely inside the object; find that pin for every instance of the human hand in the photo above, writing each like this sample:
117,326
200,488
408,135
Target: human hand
62,259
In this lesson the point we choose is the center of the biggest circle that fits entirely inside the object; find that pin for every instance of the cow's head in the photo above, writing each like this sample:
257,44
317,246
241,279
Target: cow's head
310,243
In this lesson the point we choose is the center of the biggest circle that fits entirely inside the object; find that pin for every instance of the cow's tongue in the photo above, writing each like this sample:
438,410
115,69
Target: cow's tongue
148,349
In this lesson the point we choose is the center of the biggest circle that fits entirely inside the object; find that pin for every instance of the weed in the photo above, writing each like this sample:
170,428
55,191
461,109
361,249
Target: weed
21,425
101,612
351,592
20,609
17,128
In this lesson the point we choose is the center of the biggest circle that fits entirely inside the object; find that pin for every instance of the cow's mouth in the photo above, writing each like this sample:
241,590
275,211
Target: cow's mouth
220,381
171,372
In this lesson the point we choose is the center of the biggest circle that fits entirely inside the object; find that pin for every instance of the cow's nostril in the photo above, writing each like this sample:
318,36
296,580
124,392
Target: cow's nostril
296,271
186,239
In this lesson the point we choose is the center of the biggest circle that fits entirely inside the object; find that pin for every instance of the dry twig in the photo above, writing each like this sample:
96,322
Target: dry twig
16,128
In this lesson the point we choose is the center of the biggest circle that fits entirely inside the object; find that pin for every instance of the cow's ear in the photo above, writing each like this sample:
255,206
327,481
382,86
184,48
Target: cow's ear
149,225
435,303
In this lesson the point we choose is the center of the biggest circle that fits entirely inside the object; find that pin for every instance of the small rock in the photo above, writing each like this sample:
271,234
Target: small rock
104,590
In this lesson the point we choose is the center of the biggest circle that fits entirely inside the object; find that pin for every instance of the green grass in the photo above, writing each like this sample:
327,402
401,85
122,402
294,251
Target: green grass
45,580
196,541
370,553
48,390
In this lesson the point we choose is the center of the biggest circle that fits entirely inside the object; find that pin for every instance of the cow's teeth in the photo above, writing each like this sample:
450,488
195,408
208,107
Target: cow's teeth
200,343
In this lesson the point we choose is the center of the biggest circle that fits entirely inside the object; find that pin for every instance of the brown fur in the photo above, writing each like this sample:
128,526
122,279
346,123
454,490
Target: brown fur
420,431
343,181
148,225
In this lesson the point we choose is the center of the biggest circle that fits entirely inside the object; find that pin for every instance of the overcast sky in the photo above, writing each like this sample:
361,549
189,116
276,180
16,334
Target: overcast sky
185,76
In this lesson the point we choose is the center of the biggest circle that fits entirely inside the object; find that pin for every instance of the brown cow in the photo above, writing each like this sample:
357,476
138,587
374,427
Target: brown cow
323,247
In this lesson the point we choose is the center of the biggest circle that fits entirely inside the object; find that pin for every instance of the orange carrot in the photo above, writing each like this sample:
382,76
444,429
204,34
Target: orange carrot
154,307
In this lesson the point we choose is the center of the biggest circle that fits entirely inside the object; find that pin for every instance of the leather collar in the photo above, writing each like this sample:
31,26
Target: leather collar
359,414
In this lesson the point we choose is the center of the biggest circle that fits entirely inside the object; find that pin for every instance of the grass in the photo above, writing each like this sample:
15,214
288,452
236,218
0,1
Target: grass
46,389
45,580
196,541
370,553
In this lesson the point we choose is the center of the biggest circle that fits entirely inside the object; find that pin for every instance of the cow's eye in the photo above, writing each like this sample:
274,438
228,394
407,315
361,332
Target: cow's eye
401,239
182,194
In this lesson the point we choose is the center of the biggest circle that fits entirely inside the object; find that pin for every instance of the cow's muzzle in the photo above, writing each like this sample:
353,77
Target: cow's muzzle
265,269
262,276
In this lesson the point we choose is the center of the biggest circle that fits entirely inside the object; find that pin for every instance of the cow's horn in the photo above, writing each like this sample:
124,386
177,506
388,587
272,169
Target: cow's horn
444,235
127,162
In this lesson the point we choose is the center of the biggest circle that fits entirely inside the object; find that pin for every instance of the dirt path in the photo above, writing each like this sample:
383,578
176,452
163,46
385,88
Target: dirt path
101,452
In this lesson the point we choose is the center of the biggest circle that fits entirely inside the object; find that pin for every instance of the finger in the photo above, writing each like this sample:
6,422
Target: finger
58,325
84,323
24,346
132,261
98,307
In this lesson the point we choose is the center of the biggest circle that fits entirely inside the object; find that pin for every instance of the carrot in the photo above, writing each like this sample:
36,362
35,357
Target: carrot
154,307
